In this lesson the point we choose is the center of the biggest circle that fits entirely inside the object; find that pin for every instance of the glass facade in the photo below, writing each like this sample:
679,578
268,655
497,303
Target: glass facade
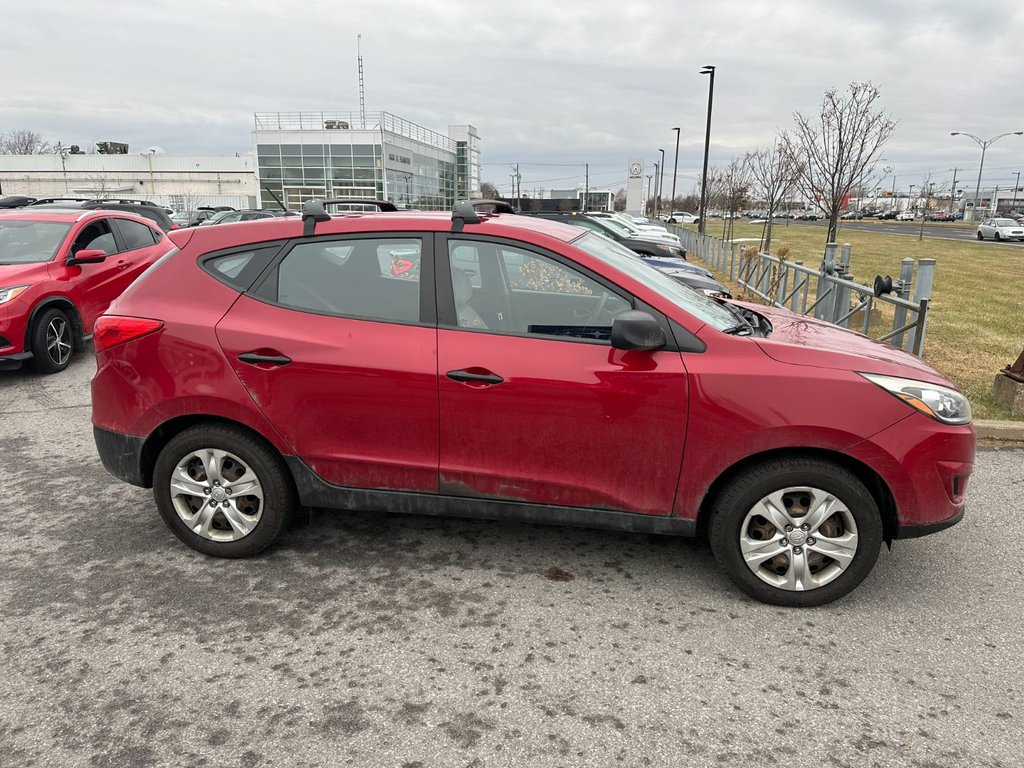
392,160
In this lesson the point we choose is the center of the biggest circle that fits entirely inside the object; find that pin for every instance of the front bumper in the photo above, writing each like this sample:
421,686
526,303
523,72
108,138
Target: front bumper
926,529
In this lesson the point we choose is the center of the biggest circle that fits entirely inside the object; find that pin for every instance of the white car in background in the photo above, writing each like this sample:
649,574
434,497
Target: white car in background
905,216
1000,229
682,217
625,227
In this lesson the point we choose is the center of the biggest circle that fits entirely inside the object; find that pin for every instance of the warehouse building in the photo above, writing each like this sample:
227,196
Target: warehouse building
181,182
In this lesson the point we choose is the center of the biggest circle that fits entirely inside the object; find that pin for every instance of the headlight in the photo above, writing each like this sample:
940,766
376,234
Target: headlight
937,402
8,294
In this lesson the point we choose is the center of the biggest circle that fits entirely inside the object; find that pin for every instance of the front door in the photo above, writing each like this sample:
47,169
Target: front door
535,403
340,354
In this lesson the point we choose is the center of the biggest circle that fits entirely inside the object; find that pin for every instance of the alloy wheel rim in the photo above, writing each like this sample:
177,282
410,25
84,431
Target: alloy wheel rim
217,495
798,538
58,341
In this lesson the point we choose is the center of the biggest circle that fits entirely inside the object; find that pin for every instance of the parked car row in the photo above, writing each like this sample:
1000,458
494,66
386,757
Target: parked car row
544,372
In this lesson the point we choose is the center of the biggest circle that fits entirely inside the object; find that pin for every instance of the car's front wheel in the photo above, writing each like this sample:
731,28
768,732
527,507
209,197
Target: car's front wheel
796,531
997,237
53,341
223,491
980,236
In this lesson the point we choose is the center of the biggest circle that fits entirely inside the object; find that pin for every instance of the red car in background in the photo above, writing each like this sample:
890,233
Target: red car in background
509,367
59,270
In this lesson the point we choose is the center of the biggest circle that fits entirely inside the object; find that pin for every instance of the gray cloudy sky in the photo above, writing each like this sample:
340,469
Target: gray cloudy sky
544,82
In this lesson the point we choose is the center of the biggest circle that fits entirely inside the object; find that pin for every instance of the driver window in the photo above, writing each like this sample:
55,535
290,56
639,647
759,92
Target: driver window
539,296
97,235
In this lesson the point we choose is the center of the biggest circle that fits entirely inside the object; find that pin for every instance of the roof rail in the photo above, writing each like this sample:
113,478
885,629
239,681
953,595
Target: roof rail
49,200
312,212
499,206
383,206
464,214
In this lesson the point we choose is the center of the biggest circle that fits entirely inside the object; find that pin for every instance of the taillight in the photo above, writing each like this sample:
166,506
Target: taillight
111,330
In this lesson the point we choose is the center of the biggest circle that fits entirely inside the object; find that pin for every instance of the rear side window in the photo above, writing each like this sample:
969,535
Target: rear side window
372,279
134,234
239,269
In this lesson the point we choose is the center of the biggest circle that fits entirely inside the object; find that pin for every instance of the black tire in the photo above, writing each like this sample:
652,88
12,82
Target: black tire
996,237
980,236
50,354
734,503
279,498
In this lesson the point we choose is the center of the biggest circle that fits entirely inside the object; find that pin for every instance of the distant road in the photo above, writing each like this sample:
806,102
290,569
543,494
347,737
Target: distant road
951,231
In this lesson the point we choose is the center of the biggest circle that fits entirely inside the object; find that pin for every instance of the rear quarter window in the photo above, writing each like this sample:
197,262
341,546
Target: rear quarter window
239,268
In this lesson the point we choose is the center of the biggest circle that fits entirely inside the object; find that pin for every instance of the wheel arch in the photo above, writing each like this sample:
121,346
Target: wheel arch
169,429
874,483
56,302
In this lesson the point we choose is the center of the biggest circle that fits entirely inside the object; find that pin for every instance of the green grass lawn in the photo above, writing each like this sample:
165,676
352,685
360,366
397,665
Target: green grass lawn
976,320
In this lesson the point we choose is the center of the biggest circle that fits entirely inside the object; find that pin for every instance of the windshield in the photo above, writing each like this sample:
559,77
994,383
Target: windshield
1005,223
623,259
29,242
618,226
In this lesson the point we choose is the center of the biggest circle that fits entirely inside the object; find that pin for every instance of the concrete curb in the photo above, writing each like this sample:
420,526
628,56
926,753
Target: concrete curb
989,429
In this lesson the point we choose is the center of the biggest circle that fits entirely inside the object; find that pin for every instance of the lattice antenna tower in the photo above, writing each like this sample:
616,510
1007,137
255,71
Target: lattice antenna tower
362,92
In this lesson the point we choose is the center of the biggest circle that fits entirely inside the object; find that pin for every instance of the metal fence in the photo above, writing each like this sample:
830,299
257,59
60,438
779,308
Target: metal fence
827,292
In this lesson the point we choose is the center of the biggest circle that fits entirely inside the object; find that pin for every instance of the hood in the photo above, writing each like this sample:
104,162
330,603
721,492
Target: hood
669,263
23,274
799,340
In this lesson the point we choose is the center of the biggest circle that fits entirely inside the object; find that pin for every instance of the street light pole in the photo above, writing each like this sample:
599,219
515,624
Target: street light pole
661,184
656,167
675,171
1013,205
707,70
984,144
647,204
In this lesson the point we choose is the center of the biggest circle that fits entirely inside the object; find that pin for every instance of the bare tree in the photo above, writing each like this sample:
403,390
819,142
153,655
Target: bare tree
488,191
775,171
839,146
733,190
24,142
619,203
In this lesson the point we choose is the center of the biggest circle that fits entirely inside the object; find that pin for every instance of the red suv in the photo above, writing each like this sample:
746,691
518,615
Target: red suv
58,272
517,369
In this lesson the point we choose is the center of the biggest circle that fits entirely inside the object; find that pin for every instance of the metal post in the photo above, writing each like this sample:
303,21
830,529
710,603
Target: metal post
899,315
922,292
828,265
841,300
675,170
661,182
732,262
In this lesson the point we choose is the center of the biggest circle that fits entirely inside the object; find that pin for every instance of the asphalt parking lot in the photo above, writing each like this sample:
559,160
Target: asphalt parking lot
371,640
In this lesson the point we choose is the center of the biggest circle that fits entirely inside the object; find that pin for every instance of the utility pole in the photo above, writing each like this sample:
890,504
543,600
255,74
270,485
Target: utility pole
1013,205
952,192
656,188
586,189
647,203
661,185
707,70
675,171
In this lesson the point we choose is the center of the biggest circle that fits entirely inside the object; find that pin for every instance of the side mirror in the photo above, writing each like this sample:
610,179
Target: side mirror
635,330
87,256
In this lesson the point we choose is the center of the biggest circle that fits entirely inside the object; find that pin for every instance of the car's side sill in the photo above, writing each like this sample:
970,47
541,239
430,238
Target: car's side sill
314,491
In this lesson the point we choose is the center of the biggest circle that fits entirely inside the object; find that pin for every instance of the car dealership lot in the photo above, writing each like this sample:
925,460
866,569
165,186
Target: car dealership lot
385,640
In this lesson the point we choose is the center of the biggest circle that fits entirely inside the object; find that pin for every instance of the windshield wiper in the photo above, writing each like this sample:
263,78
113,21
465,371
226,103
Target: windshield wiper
740,329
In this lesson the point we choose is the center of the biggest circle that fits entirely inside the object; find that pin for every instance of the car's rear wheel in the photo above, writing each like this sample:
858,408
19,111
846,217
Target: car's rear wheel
796,531
53,341
222,491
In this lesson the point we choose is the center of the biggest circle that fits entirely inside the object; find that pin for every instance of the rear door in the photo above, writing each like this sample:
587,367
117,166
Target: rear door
535,404
340,353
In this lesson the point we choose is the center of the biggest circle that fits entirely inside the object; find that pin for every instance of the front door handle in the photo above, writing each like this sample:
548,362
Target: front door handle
122,264
255,358
474,378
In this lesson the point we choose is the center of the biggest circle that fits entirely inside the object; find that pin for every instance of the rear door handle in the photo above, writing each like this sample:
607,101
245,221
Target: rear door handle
122,264
474,378
254,358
